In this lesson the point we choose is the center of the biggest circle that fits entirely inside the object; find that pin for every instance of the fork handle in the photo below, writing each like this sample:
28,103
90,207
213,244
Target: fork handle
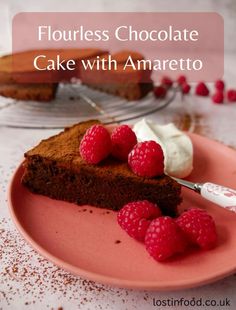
223,196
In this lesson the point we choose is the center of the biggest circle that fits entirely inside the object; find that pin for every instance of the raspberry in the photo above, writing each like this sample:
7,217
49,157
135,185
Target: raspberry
185,88
166,81
231,95
199,227
160,91
95,145
201,89
135,217
164,238
181,80
218,97
219,85
123,140
147,159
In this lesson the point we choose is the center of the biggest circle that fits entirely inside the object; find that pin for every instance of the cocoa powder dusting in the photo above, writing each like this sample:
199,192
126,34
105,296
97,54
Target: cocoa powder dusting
37,277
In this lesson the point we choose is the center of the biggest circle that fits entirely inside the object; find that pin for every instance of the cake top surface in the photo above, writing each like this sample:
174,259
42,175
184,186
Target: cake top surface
64,150
23,61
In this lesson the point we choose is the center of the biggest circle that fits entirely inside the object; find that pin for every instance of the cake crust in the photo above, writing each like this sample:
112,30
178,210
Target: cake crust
39,92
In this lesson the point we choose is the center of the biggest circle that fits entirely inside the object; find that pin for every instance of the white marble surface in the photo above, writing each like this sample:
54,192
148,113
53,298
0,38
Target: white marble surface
27,281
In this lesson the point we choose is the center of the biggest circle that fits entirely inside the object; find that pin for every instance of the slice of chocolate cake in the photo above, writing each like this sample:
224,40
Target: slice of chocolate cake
55,169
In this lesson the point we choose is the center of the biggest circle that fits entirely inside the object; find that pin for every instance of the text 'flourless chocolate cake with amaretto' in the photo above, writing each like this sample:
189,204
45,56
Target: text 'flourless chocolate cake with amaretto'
54,168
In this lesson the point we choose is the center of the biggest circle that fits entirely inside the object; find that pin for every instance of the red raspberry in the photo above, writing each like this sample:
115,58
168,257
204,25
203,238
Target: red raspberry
218,97
147,159
95,145
231,95
199,227
160,91
201,89
164,238
135,217
181,80
185,88
166,81
220,85
123,140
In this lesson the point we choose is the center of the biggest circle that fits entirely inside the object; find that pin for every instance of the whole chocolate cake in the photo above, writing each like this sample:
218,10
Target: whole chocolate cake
20,80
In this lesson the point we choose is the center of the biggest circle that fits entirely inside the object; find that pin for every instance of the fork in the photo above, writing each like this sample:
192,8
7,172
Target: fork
218,194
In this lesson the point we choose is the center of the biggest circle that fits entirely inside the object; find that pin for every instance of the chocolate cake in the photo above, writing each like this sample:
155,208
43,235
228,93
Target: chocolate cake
19,78
55,169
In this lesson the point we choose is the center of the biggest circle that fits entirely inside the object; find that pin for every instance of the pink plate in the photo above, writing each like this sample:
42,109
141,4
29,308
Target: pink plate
88,242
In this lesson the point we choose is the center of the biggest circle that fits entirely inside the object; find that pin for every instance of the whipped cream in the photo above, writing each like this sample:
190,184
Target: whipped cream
177,146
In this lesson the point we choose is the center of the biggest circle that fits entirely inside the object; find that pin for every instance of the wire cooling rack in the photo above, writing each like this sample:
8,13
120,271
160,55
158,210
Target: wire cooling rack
75,103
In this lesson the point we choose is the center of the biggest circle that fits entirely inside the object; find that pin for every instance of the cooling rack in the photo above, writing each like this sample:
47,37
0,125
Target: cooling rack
75,103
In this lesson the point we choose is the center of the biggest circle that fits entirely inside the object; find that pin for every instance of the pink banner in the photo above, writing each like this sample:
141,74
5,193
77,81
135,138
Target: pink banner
171,44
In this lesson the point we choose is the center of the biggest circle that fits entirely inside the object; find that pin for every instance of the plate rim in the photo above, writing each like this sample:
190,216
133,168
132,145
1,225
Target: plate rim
108,280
